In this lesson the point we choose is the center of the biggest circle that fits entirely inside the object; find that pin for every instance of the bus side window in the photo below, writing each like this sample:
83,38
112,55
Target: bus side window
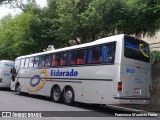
22,63
31,61
55,59
72,57
110,53
48,60
81,56
26,63
36,61
62,59
107,53
94,55
41,61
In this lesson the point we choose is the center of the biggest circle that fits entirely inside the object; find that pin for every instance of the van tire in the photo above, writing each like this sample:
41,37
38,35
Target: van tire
18,89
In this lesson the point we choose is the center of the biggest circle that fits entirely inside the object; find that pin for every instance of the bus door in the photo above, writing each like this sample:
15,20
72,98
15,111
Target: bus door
15,72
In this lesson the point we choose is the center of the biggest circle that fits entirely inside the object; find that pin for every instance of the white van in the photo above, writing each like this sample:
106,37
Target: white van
5,75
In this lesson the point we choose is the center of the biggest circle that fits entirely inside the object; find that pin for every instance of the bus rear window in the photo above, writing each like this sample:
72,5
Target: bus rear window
136,49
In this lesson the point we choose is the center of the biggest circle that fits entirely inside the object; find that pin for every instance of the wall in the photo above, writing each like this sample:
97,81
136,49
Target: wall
155,89
151,40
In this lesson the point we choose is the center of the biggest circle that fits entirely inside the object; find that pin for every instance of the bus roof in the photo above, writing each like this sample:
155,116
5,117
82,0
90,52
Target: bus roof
96,42
6,61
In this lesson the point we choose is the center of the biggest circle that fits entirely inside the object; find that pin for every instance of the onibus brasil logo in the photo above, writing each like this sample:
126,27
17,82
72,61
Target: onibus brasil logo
41,80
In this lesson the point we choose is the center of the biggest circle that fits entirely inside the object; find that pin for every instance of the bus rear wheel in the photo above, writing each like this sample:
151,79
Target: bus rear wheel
68,96
56,95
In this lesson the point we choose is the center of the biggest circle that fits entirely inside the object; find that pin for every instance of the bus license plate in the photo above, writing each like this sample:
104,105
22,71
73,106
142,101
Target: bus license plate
137,90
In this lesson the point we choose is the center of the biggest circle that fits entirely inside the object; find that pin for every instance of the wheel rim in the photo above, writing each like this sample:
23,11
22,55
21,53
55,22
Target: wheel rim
56,94
68,96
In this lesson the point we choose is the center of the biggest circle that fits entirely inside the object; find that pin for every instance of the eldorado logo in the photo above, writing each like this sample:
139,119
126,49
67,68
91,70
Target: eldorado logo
143,50
139,47
40,82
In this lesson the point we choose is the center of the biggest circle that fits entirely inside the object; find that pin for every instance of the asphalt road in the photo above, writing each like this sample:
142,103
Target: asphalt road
9,101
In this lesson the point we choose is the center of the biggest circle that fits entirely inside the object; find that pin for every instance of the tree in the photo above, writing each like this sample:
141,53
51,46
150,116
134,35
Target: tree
44,27
14,37
6,1
16,3
155,56
78,21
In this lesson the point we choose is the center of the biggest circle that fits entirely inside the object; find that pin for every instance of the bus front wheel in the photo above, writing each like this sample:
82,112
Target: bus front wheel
18,89
68,96
56,94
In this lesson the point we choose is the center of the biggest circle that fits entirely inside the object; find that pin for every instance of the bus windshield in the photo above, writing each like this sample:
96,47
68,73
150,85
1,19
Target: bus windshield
136,49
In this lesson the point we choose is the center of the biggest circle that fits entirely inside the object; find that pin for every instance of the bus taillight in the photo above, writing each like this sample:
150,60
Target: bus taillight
119,87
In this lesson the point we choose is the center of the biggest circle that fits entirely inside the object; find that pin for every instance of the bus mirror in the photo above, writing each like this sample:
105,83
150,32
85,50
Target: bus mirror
11,70
14,71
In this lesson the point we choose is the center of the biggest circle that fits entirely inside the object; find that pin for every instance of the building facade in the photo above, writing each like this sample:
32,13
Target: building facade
153,41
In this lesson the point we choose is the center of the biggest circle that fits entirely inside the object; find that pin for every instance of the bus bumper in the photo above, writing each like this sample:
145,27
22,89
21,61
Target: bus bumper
132,100
127,108
3,85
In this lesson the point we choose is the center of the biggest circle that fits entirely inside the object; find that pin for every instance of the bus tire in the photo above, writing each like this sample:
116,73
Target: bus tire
18,89
56,94
68,96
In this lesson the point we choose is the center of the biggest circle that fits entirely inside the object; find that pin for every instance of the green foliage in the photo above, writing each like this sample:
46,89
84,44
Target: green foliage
64,20
14,37
155,56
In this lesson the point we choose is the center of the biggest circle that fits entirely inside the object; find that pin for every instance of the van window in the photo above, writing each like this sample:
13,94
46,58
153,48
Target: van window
22,63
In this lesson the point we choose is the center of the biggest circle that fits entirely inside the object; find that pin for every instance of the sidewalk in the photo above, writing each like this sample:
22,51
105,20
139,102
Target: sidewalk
151,108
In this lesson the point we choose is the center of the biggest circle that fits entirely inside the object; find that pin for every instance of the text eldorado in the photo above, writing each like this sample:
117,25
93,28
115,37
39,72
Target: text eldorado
72,72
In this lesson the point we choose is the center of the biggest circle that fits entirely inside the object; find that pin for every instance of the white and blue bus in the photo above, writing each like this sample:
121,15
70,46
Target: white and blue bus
5,75
113,70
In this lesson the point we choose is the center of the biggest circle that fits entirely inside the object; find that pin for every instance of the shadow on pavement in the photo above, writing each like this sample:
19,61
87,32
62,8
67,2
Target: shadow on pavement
91,107
5,89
